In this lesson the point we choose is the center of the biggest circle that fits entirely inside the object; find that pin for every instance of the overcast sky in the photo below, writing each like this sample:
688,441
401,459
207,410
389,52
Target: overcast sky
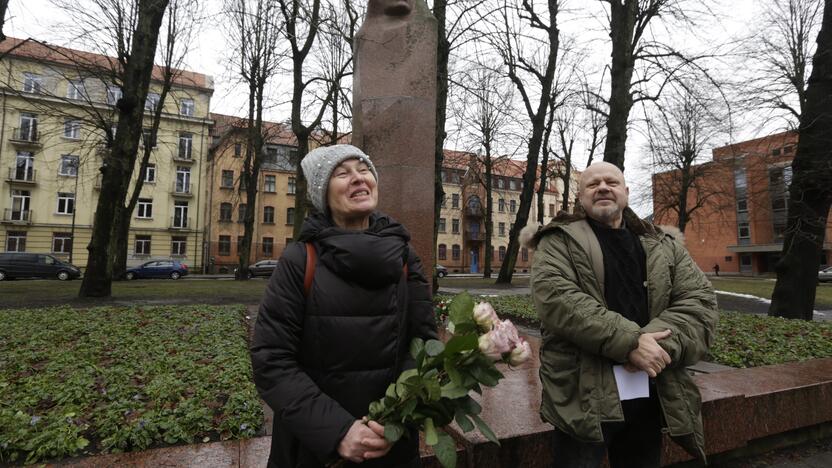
38,19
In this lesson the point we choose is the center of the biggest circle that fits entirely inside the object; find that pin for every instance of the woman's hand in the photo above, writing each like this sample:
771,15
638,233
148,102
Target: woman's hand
363,442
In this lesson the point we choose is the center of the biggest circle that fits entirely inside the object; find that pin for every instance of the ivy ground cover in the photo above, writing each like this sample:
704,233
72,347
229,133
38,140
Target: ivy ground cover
109,379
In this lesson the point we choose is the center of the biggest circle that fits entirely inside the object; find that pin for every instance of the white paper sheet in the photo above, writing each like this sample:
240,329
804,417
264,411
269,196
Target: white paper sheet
631,385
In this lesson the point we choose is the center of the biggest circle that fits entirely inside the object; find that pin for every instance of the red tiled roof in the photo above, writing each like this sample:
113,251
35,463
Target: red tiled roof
275,132
42,51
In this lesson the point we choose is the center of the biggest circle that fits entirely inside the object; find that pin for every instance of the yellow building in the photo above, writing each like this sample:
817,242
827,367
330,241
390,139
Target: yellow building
460,245
274,220
54,106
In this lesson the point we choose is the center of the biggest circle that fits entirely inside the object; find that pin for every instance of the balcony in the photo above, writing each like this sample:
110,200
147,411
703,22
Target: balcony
13,216
183,157
26,136
474,235
181,190
19,175
474,211
179,222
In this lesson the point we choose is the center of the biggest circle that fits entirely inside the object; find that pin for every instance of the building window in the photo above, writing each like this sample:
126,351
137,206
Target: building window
145,208
142,246
69,165
20,205
183,180
455,200
227,179
501,229
269,184
186,107
502,252
512,206
61,242
186,143
180,215
442,252
113,95
225,212
524,254
241,212
292,186
72,129
501,205
238,150
28,127
514,184
551,210
224,246
455,226
150,173
268,246
441,226
444,203
268,215
501,183
76,90
148,138
744,230
151,101
455,252
66,203
290,216
16,241
32,84
178,244
742,205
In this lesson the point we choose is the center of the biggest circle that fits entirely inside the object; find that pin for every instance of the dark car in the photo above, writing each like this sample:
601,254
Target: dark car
173,269
441,271
35,265
262,268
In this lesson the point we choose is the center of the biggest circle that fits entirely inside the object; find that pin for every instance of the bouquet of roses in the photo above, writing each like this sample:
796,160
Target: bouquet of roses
436,391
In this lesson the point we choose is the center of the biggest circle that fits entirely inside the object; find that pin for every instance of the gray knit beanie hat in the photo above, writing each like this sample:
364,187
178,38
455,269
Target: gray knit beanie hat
318,165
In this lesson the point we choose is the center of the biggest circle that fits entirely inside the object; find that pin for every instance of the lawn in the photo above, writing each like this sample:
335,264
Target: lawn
28,293
762,287
80,381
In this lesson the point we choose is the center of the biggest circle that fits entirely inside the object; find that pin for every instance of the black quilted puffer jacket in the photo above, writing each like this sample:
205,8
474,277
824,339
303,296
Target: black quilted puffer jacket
320,360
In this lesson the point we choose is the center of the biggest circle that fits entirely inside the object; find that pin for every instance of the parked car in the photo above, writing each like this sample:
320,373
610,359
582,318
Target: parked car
825,275
173,269
441,271
35,265
261,268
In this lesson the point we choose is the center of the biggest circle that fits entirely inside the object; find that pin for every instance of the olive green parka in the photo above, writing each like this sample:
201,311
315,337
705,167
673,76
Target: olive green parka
582,339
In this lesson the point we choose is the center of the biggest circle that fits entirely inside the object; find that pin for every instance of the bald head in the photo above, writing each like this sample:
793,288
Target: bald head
603,193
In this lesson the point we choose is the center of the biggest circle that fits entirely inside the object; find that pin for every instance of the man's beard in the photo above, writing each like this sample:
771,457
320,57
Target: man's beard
605,214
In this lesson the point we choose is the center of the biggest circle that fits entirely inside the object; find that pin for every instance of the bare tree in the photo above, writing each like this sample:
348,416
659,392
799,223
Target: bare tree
255,32
810,193
630,23
485,114
777,58
533,75
311,92
4,4
681,129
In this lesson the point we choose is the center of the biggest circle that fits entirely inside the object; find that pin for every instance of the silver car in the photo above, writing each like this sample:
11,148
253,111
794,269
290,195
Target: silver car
825,274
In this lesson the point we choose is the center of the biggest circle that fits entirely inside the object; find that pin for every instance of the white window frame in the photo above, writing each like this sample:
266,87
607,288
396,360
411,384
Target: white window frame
144,208
76,90
63,242
141,246
270,243
268,210
72,129
66,203
178,246
150,173
186,145
114,93
183,179
180,210
222,179
151,101
67,168
270,183
292,187
187,107
16,241
31,125
32,83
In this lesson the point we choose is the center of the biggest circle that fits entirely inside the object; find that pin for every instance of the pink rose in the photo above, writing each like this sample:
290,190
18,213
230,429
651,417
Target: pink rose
509,330
494,344
520,354
485,316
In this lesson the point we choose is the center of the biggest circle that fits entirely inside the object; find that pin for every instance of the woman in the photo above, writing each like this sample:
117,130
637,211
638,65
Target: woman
321,355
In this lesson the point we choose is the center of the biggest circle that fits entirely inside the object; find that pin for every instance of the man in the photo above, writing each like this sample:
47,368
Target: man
612,290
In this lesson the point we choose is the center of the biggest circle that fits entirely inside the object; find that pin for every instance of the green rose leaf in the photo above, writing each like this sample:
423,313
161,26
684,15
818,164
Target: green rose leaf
470,406
461,343
393,431
434,347
461,309
431,438
445,450
486,431
417,345
463,420
453,391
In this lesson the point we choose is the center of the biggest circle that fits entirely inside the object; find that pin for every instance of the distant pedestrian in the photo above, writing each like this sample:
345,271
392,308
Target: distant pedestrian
716,269
623,311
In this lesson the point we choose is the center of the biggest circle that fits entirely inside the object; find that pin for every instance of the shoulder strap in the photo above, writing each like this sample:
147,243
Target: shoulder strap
311,259
587,240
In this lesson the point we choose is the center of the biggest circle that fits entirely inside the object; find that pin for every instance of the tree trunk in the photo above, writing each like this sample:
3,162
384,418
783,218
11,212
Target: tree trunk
119,163
300,184
121,247
3,6
443,48
622,24
810,193
567,175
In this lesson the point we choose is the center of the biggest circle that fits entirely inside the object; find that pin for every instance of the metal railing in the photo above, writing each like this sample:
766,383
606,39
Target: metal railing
17,216
181,189
28,134
19,174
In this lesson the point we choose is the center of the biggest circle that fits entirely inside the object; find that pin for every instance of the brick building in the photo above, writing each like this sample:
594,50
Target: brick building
743,228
